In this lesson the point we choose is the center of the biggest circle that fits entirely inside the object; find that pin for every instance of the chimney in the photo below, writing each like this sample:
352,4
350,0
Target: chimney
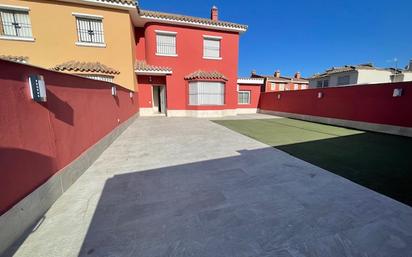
410,65
277,73
214,14
297,75
253,72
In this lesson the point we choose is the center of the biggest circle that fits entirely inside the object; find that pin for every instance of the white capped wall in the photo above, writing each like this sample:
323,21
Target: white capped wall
374,76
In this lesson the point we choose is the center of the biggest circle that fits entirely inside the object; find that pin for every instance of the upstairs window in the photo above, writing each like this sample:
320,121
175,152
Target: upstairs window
89,29
15,23
206,93
343,80
272,86
211,47
282,87
166,43
322,83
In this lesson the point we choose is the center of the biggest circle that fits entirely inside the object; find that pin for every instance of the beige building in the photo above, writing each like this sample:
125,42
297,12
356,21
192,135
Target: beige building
358,74
93,38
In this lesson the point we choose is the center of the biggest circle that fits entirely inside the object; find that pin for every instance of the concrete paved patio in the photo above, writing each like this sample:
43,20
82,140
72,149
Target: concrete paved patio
189,187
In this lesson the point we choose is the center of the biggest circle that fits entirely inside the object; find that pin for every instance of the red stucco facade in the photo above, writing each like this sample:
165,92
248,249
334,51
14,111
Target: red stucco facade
189,49
39,139
366,103
254,95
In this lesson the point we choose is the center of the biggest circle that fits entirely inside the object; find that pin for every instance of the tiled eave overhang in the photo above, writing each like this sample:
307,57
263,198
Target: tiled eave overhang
142,68
206,76
150,16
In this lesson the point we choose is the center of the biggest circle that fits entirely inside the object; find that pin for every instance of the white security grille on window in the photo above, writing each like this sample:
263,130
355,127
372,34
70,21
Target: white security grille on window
90,30
206,93
166,44
244,97
211,48
98,77
15,23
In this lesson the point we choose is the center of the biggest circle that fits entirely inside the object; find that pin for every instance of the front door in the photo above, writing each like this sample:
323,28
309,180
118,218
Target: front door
162,99
159,99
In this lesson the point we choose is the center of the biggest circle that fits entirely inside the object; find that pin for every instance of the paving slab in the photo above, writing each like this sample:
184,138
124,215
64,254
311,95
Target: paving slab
190,187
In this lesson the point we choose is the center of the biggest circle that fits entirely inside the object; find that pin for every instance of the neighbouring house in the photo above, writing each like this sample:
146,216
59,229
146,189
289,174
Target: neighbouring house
187,66
400,75
90,38
358,74
276,82
180,65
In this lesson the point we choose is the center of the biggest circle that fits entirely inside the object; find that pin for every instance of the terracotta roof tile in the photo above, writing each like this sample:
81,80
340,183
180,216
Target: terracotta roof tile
282,78
184,18
141,65
205,75
13,58
333,70
92,67
130,2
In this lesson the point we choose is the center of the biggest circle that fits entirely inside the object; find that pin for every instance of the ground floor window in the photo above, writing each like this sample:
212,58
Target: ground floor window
243,97
206,93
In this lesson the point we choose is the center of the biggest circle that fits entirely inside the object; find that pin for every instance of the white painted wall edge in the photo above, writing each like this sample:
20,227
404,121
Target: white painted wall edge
25,216
375,127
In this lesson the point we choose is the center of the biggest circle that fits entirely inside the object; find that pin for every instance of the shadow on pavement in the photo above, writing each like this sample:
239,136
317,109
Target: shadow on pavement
255,204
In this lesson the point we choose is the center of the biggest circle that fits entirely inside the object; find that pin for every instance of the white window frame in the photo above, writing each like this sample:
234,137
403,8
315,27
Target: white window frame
212,38
170,34
197,98
272,86
296,87
242,92
90,17
18,10
282,86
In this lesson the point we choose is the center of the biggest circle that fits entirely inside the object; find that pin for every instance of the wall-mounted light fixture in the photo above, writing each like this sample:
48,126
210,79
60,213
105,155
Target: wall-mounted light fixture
397,92
320,94
131,94
114,91
278,96
37,88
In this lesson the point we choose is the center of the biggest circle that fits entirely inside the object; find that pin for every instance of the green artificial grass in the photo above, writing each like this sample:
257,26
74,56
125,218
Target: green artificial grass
378,161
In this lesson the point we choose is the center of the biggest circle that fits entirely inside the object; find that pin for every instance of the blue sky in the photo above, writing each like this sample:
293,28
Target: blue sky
310,36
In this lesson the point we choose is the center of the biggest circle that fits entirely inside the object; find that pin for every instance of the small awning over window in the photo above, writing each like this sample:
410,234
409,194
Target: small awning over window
22,59
142,68
207,75
85,67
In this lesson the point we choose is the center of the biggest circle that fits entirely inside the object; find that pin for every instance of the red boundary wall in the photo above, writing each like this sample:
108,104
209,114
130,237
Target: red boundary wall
367,103
39,139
